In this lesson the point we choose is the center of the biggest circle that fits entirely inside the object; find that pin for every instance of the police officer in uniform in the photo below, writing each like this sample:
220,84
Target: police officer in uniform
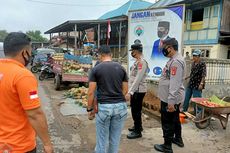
137,88
171,93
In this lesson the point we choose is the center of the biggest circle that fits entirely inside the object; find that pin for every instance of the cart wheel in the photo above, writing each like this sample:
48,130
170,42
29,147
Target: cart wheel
203,124
57,82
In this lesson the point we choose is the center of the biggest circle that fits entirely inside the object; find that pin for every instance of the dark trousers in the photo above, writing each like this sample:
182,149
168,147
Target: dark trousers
32,151
136,108
170,123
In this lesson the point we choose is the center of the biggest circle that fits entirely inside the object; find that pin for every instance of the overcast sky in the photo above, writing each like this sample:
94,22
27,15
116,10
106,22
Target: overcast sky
24,15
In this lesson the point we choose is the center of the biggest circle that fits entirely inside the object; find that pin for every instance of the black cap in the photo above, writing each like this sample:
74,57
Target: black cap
136,46
170,42
104,49
164,24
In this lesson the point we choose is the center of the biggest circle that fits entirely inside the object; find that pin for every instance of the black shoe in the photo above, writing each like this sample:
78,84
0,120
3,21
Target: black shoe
134,135
133,129
178,141
163,148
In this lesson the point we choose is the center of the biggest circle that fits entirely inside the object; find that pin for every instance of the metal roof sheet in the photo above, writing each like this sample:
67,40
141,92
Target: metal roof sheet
123,10
163,3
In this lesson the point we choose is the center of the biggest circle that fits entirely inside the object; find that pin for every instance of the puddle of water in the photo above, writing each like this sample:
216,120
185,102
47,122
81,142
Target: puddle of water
69,107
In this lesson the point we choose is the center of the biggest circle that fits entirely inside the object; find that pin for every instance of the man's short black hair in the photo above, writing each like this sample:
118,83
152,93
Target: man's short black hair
104,49
14,42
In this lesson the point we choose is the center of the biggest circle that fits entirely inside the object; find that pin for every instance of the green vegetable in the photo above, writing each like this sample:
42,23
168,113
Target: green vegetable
216,100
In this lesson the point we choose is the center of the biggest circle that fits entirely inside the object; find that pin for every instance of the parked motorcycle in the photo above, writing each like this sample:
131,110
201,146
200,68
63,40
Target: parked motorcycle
38,61
36,67
46,72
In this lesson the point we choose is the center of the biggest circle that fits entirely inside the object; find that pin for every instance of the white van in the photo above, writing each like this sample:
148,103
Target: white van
2,55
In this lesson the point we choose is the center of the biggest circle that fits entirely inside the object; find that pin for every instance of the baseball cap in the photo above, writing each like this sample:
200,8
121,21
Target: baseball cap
136,46
196,52
104,49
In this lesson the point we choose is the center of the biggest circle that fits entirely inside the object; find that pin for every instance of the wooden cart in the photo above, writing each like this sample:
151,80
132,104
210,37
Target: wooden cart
62,77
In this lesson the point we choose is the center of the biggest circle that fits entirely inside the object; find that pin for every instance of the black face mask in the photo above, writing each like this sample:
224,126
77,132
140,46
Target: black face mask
28,59
160,34
165,52
133,54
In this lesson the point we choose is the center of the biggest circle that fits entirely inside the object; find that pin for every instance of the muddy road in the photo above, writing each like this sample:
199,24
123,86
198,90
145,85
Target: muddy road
76,134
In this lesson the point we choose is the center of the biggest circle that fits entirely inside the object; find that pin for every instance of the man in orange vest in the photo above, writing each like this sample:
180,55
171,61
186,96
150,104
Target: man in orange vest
21,115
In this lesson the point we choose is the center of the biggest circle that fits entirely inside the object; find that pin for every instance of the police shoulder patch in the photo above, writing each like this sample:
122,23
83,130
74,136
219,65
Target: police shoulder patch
173,70
140,66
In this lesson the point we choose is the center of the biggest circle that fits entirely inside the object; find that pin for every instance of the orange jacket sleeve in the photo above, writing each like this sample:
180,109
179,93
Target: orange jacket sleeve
27,89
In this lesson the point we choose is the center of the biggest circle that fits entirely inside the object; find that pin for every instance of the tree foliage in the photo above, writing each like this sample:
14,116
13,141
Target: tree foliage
36,36
3,34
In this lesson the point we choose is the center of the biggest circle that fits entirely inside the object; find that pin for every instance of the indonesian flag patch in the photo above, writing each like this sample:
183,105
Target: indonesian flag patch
33,95
173,70
1,76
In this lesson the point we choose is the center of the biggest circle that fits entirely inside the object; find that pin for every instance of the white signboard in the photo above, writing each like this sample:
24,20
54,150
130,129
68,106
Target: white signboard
151,27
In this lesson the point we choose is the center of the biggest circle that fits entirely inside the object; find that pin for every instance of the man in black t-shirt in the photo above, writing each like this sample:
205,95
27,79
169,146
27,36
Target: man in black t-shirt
111,82
197,79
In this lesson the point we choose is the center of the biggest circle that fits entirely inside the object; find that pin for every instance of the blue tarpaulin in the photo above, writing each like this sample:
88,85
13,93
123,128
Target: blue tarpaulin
84,59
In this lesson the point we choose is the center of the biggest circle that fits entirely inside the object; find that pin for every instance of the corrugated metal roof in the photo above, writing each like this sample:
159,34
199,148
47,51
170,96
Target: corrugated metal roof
81,25
123,10
163,3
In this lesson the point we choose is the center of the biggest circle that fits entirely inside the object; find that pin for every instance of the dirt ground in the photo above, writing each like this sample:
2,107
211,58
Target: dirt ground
76,134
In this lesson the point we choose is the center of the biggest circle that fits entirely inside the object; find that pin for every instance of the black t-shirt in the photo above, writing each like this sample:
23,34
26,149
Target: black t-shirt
109,76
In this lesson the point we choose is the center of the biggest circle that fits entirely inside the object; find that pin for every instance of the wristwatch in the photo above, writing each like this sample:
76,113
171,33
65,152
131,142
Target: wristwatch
89,109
